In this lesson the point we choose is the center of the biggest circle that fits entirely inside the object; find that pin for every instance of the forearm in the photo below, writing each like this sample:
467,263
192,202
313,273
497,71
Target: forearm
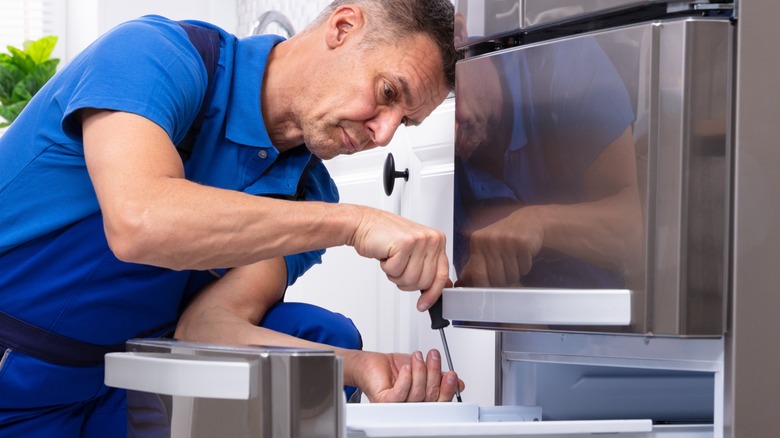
229,311
607,232
217,324
183,225
152,215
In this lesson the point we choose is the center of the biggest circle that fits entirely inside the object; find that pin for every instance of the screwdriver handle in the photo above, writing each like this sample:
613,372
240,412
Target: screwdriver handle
435,312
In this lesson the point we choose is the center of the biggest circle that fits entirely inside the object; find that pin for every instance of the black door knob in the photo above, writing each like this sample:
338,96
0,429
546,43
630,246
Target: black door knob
390,174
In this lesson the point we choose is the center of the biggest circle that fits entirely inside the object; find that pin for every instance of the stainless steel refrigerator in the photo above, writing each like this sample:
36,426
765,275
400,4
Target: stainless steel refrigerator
604,175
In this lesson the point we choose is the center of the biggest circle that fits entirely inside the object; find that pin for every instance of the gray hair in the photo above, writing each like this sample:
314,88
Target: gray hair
390,19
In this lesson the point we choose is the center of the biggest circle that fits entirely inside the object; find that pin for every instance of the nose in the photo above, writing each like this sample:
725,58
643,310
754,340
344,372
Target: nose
383,126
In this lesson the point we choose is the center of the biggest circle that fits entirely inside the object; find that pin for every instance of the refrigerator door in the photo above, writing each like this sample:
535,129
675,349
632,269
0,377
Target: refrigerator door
590,164
184,389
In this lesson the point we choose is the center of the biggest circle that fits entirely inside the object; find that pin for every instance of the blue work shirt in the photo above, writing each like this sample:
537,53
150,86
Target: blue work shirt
56,270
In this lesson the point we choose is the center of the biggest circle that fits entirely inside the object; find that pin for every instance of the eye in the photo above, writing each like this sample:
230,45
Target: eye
389,92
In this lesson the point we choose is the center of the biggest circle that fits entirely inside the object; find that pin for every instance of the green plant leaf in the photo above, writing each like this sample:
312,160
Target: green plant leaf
23,73
41,49
10,75
11,112
21,59
31,83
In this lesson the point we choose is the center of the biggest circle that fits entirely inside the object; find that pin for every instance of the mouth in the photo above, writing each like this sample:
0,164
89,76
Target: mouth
348,143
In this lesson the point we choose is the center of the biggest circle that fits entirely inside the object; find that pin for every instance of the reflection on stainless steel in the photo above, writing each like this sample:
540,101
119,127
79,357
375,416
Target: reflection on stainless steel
492,18
541,151
273,22
539,12
575,169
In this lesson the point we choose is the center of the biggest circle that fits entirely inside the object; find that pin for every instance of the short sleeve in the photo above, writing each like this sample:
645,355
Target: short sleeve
146,67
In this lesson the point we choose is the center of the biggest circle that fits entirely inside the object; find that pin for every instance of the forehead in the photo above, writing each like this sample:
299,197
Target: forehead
414,65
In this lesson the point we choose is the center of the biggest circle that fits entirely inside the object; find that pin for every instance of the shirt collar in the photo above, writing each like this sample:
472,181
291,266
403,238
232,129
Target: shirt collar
245,124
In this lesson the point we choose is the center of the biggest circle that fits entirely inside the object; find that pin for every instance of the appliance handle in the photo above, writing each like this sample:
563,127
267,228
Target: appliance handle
544,306
183,375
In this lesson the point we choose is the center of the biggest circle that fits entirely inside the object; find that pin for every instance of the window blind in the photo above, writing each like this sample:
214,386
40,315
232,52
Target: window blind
22,20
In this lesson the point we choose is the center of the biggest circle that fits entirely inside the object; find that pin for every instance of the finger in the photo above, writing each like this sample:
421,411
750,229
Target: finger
525,260
496,272
512,270
433,365
478,271
419,377
394,265
449,380
402,385
432,263
431,294
422,264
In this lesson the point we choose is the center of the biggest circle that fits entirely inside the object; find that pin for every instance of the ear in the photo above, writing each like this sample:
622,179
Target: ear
345,21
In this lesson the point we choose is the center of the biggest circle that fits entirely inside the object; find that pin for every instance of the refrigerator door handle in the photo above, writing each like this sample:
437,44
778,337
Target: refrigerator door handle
183,375
549,306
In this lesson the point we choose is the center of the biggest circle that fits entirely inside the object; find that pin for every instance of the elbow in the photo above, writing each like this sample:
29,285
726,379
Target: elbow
128,236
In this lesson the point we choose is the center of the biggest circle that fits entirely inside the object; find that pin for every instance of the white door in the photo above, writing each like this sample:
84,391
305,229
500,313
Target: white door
346,282
427,198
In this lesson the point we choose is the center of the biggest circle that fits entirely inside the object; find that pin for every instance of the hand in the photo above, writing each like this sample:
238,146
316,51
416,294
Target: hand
400,377
411,255
503,251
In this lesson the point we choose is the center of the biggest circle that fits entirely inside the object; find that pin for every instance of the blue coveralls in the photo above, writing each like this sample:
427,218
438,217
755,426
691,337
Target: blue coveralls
56,270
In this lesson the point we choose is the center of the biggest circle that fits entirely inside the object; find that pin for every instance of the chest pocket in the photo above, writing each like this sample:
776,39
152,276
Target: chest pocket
287,178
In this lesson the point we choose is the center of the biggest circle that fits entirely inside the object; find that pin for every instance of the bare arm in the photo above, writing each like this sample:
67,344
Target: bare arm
228,311
607,229
152,215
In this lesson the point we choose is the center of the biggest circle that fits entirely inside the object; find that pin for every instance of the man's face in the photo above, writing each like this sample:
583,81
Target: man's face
362,95
478,102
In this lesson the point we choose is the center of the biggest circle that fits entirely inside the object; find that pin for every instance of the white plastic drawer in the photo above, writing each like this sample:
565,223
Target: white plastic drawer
469,420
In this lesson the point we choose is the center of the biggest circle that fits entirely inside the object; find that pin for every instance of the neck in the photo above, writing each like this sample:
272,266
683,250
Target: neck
280,92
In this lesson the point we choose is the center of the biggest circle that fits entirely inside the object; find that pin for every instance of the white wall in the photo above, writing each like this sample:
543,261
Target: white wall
88,19
299,12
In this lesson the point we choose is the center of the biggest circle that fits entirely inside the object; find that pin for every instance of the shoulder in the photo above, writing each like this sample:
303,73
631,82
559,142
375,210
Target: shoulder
136,46
152,61
146,30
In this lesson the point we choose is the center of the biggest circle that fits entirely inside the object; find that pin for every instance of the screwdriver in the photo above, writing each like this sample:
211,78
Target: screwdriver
438,323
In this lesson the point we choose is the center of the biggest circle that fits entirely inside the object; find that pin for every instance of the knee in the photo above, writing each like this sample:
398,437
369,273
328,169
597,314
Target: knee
314,324
340,331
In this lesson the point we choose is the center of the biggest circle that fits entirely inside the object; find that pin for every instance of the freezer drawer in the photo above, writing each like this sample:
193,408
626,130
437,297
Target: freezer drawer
194,390
469,420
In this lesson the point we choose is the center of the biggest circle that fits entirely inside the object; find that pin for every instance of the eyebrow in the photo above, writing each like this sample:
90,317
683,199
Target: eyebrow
406,91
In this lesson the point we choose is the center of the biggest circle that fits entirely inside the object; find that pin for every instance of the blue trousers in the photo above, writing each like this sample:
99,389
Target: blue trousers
38,399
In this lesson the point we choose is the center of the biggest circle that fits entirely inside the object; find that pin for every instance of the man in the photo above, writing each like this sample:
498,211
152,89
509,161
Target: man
107,233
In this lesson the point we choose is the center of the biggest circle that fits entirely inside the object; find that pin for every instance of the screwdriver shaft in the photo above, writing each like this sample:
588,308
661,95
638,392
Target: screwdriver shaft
449,361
